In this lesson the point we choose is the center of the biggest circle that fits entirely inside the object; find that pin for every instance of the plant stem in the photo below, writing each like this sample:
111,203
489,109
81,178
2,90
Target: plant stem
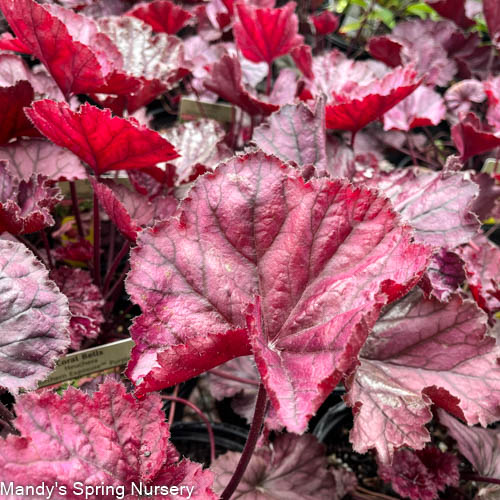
24,241
253,436
171,413
47,249
269,78
111,247
114,266
223,374
210,430
115,287
97,243
481,479
76,209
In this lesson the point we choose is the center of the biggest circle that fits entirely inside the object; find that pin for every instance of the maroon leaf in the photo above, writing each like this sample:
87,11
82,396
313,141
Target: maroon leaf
386,49
302,56
34,317
226,82
482,263
422,108
200,144
420,475
444,275
491,10
60,436
13,100
79,251
293,467
242,233
85,303
471,139
127,209
324,23
163,16
481,447
267,33
454,10
74,66
423,351
426,199
352,110
25,206
100,140
296,134
36,156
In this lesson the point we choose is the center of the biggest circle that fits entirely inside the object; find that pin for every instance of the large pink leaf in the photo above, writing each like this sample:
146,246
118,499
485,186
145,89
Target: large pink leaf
421,108
422,351
74,66
100,140
107,439
85,303
353,109
294,467
34,317
267,33
323,256
471,138
461,95
25,206
437,204
200,145
162,15
226,81
36,156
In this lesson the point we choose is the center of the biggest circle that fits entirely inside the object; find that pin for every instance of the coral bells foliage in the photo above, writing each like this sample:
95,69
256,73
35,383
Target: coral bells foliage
249,235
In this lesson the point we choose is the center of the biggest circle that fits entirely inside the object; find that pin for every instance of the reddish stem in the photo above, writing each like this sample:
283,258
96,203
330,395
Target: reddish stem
76,209
210,430
253,436
481,479
171,413
111,247
114,266
97,243
223,374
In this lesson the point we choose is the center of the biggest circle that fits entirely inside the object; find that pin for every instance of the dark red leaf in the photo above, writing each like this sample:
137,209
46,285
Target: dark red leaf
471,138
38,156
100,140
324,257
385,49
25,206
226,81
85,303
131,436
162,15
422,351
267,33
354,109
324,23
77,251
454,10
491,10
302,56
421,475
13,100
34,318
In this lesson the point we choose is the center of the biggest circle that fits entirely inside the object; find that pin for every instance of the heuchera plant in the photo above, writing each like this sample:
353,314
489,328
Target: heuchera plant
329,248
